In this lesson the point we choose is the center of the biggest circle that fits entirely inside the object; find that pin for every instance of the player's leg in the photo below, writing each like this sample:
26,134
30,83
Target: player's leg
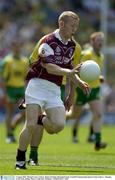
49,98
55,120
34,144
75,115
32,112
10,110
91,136
76,112
13,96
97,110
17,119
37,137
20,116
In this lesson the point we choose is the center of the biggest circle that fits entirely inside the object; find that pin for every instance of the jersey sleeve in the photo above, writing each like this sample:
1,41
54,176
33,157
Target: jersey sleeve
5,68
77,55
34,56
26,65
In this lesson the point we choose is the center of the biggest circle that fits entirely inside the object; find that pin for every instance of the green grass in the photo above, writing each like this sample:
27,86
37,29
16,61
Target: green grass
59,156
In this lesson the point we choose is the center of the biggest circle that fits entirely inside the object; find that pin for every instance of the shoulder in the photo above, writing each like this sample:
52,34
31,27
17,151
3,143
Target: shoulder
8,59
78,46
8,56
86,54
87,51
47,38
24,59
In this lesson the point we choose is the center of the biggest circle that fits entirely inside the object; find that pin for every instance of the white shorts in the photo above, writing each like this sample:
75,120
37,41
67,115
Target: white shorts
44,93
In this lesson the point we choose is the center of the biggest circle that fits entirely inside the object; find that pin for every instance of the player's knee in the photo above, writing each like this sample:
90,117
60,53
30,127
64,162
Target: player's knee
98,115
55,128
58,126
50,131
31,127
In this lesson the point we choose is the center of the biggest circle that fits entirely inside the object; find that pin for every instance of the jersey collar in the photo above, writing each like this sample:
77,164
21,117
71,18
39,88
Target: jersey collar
57,35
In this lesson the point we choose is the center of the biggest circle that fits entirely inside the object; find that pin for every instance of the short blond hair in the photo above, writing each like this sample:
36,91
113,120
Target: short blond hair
66,15
96,34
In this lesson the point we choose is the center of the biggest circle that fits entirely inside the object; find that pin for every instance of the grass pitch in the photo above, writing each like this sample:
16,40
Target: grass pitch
59,156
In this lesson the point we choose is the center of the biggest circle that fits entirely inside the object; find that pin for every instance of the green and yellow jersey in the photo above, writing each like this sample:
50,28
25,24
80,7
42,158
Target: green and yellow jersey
89,54
14,70
34,56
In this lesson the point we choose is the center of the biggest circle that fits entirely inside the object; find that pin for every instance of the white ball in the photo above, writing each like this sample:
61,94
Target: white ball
89,71
45,50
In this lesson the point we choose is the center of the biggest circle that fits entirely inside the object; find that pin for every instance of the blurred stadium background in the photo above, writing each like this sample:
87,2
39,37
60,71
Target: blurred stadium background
31,19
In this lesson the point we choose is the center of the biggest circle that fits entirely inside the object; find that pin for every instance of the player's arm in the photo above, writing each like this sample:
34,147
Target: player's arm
57,70
47,57
71,73
70,86
5,69
69,94
4,72
101,77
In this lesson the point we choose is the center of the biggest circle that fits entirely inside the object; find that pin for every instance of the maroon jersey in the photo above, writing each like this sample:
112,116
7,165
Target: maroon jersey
62,57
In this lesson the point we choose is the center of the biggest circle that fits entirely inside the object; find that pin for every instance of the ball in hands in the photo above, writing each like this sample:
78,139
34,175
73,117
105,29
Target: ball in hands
89,71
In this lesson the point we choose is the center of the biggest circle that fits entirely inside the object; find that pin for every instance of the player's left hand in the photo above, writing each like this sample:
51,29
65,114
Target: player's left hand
68,102
84,86
102,79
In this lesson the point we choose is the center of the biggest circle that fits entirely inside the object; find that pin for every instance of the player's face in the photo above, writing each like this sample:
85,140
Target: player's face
16,48
98,42
71,27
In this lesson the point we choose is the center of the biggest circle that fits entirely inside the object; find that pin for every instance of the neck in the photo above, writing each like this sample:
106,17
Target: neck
17,56
97,52
63,37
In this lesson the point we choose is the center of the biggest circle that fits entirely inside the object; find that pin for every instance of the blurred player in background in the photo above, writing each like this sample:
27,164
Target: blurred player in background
45,78
94,99
14,70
